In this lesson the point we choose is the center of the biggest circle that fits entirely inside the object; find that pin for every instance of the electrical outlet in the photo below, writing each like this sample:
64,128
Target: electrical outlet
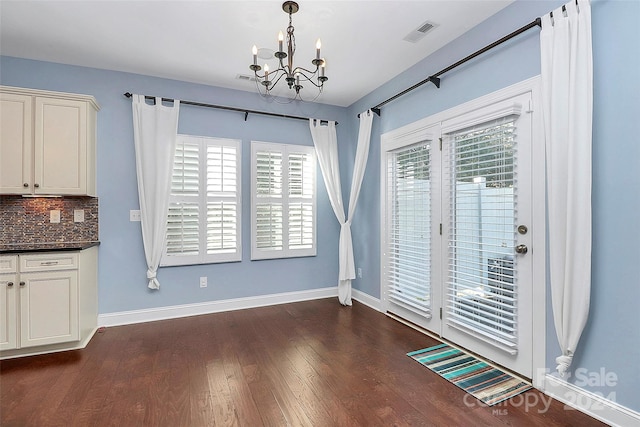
359,273
78,215
203,282
134,215
54,216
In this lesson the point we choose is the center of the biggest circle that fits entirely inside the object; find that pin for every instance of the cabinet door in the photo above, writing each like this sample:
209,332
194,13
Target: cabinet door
49,308
15,143
60,148
8,319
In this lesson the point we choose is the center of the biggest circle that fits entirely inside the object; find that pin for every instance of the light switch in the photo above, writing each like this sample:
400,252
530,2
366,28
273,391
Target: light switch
54,216
78,215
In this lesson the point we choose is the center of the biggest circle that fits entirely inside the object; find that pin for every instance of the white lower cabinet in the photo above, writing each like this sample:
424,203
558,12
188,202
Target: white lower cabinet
48,308
8,305
48,302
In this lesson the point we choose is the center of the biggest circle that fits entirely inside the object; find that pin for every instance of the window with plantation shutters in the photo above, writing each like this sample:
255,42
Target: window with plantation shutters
409,240
482,289
283,210
203,224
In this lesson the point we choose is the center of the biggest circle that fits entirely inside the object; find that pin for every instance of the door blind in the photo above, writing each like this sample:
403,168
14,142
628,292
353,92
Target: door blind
482,288
409,245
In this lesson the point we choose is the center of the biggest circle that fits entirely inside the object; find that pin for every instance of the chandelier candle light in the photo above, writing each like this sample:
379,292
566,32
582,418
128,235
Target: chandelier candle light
292,75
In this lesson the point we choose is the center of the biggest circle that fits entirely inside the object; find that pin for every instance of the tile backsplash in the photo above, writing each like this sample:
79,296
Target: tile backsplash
27,219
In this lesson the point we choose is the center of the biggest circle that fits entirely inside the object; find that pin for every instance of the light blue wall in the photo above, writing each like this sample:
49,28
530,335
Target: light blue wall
611,340
122,271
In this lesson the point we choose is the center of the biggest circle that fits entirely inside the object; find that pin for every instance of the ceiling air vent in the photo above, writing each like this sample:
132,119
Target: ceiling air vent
417,34
246,78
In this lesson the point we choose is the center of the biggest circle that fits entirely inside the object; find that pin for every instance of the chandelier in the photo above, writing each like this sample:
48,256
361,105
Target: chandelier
292,75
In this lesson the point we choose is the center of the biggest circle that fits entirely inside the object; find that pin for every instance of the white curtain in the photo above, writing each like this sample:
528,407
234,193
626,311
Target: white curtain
155,129
326,143
567,86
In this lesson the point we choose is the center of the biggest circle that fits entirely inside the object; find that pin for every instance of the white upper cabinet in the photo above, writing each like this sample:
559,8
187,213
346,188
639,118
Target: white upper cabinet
47,142
16,147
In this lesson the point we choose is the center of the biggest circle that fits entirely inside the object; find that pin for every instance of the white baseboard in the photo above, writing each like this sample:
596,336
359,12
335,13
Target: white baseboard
597,406
185,310
366,299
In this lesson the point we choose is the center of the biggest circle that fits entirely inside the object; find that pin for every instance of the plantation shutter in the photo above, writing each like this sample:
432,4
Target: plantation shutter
283,209
204,221
269,226
409,242
222,206
301,173
482,288
183,232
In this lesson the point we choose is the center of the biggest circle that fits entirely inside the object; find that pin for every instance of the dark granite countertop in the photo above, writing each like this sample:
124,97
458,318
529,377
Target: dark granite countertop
46,247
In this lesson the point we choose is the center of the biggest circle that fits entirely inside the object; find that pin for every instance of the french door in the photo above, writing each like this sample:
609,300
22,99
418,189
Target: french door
410,245
457,228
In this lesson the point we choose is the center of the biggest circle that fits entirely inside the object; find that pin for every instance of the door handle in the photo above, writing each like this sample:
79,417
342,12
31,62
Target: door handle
522,249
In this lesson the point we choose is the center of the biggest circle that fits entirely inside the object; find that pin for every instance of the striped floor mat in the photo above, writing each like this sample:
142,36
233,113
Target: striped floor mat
483,381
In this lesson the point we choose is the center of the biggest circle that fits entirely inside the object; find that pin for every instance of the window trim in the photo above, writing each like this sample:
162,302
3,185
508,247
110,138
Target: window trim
285,150
202,198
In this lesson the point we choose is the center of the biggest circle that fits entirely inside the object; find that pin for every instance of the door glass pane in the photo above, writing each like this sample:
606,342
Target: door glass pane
409,248
482,288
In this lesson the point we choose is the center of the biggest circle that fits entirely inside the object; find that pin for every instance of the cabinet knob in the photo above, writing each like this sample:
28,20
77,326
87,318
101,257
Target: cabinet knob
25,185
10,284
36,185
22,283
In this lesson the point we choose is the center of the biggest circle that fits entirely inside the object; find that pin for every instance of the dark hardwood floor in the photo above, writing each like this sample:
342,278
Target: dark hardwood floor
312,363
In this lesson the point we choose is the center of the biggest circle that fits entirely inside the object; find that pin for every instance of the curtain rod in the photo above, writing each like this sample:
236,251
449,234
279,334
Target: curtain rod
435,78
223,107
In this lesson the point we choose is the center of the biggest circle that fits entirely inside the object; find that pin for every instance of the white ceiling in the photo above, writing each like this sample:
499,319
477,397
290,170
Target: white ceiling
210,42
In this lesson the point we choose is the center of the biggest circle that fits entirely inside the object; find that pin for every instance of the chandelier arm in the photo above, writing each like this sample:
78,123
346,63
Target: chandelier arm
284,69
278,78
304,71
282,66
271,73
319,86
